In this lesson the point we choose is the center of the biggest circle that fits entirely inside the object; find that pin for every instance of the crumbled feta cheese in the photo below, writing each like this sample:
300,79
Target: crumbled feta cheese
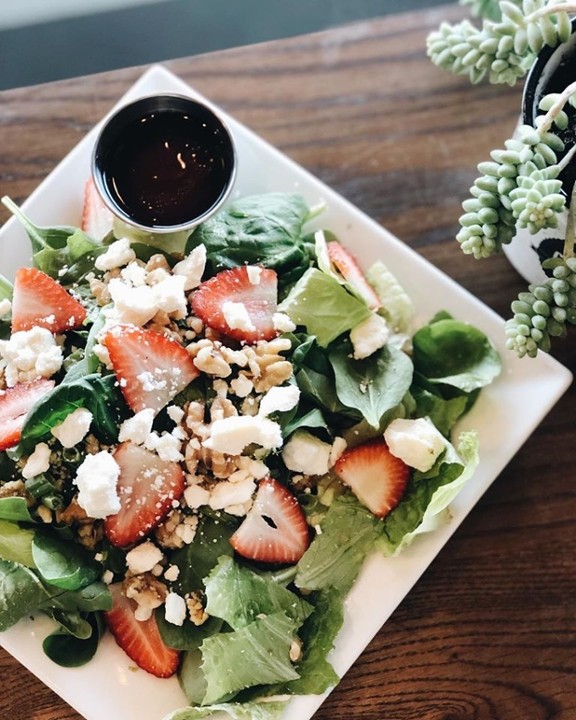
5,307
279,399
283,323
369,336
338,447
170,297
137,428
307,454
166,446
192,267
96,479
417,442
254,272
232,434
134,274
225,493
196,496
175,413
132,305
119,253
108,577
143,557
175,609
74,428
237,317
29,355
38,462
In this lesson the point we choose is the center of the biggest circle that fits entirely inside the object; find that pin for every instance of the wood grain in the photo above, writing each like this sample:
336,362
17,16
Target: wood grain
489,632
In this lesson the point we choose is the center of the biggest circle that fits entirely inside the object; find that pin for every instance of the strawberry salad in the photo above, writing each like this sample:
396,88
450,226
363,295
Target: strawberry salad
202,440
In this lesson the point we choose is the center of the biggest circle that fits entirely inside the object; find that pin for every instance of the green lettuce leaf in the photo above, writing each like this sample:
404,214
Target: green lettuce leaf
397,306
335,556
451,352
429,494
21,593
238,595
258,654
323,306
261,710
318,634
261,229
372,386
16,543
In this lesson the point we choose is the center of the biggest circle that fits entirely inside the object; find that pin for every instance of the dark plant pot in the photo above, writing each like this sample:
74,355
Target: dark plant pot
552,72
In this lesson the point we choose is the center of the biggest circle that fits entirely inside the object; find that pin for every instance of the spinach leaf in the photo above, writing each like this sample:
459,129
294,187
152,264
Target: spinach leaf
99,394
16,543
91,598
21,592
372,386
69,647
66,565
262,229
451,352
63,252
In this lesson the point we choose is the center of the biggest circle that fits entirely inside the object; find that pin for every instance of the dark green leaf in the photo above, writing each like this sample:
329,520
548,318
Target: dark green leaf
66,565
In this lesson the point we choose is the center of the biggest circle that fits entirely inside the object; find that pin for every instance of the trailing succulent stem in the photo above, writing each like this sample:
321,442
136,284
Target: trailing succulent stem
502,50
520,186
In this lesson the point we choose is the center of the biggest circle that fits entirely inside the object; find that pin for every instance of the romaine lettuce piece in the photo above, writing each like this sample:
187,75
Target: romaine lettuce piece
323,306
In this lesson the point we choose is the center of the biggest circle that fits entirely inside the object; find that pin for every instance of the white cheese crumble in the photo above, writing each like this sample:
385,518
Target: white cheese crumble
38,462
96,479
29,355
369,336
283,323
417,442
307,454
232,434
279,399
137,428
196,496
143,558
237,317
172,573
254,272
192,267
74,427
119,253
175,609
137,305
5,307
225,494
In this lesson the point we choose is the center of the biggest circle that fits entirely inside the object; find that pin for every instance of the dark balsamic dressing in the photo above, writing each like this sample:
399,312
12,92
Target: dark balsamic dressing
164,161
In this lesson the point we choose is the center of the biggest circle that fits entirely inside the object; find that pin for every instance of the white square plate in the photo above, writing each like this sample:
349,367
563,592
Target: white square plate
505,416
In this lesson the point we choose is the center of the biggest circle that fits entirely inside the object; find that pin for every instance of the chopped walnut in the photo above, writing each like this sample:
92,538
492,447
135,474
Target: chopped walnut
90,533
157,261
13,488
177,530
222,408
99,290
72,513
147,591
196,611
210,361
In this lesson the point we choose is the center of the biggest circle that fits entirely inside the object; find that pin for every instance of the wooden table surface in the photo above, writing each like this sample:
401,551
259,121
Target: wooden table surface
489,632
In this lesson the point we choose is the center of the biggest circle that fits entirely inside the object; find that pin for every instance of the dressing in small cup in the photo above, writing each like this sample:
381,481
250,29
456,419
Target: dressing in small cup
164,163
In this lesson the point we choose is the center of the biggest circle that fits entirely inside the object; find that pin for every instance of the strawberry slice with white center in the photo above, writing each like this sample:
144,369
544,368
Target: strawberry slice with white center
375,476
147,488
15,403
39,301
97,219
236,306
348,267
140,639
150,367
275,528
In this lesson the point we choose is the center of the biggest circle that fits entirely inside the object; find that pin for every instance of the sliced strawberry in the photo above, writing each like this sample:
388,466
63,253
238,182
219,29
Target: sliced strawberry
234,286
97,219
348,267
375,476
140,639
147,488
39,301
275,528
151,367
15,403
